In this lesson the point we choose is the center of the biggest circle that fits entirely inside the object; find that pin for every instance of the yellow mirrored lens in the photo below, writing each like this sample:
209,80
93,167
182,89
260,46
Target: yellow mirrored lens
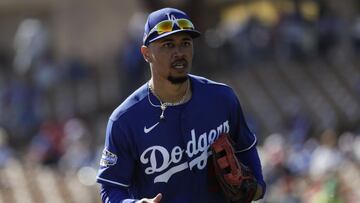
164,26
185,24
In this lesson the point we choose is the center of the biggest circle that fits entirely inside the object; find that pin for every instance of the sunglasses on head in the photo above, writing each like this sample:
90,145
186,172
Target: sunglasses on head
168,26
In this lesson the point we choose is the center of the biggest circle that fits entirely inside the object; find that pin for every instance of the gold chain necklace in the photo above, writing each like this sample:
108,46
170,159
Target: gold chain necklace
164,105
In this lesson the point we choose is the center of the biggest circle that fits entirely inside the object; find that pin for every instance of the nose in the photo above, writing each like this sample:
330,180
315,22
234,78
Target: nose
178,52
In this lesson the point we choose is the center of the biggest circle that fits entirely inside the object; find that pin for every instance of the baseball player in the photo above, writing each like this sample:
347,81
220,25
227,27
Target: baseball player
157,145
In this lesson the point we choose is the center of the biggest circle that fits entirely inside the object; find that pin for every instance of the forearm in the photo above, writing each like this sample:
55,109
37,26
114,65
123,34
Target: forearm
251,159
111,194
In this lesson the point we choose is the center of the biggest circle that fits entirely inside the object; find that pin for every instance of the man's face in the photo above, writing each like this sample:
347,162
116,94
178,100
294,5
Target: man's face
171,57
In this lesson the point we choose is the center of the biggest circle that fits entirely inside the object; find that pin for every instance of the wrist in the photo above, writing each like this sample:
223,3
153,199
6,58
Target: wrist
259,192
130,201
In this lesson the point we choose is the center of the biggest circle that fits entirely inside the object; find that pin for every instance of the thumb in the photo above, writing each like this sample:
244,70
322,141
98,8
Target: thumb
157,198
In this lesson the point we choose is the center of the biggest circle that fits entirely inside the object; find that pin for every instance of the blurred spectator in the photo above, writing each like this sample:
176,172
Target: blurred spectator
295,36
75,70
132,66
299,156
5,76
6,151
274,152
251,43
6,154
355,34
356,149
46,72
46,77
76,92
76,144
298,127
20,105
46,147
31,40
346,142
329,28
326,157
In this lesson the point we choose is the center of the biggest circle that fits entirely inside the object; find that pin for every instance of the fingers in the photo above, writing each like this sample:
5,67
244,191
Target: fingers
157,199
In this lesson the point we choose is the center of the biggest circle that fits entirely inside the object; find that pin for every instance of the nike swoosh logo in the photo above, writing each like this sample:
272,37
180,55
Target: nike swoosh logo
147,130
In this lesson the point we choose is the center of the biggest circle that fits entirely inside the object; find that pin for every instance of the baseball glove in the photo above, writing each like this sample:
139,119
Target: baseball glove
235,179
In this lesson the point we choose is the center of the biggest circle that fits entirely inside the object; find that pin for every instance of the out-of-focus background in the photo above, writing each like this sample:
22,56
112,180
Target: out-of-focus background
65,65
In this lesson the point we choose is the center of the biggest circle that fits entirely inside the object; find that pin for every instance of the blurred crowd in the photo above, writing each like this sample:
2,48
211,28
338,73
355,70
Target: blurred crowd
310,29
52,112
318,170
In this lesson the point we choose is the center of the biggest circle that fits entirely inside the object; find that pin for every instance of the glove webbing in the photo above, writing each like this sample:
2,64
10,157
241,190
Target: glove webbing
233,172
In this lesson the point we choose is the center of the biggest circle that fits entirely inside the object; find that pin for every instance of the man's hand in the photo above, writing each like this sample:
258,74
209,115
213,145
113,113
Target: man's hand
153,200
235,179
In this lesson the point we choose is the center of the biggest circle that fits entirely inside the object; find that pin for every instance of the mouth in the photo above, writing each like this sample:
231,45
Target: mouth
179,64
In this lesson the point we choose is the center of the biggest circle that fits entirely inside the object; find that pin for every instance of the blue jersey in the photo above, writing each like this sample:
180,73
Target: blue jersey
148,155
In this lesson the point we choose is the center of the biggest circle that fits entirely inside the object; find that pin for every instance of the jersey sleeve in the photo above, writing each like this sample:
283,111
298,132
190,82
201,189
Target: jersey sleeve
251,159
111,194
117,162
240,132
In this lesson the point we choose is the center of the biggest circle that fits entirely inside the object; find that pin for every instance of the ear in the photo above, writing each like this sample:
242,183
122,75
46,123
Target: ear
146,53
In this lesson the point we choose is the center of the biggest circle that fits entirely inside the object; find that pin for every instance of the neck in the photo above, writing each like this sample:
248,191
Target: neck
168,92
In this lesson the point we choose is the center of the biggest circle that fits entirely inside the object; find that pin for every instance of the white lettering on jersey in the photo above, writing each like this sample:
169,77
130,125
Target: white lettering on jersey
195,147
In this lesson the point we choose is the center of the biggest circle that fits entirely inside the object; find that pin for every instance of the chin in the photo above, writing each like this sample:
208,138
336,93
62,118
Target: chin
178,79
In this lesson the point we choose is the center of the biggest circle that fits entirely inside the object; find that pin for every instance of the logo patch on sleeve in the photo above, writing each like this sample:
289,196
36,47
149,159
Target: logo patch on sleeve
108,158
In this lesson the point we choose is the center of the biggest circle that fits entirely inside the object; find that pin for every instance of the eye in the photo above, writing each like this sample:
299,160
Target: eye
168,45
186,43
